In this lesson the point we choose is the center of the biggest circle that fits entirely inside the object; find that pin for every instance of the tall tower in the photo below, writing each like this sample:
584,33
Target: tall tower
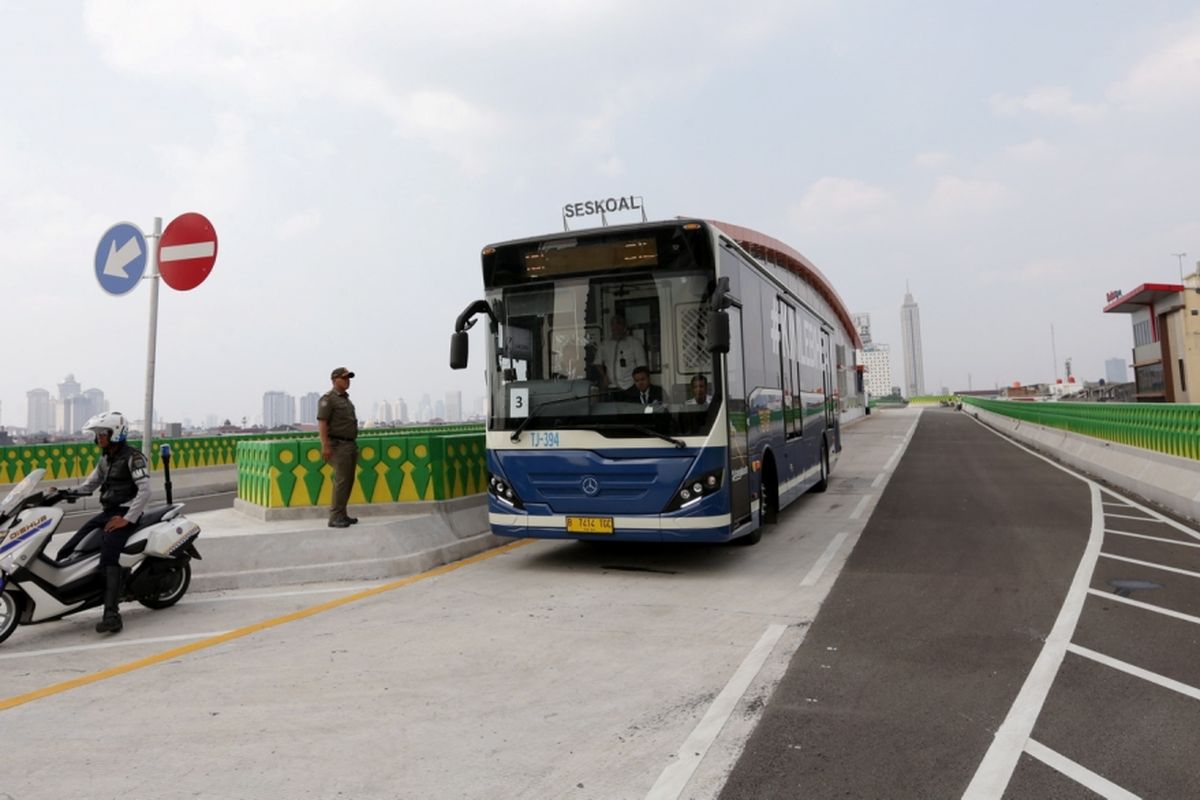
910,333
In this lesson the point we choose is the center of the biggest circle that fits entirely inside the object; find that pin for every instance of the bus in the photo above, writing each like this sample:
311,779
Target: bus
574,454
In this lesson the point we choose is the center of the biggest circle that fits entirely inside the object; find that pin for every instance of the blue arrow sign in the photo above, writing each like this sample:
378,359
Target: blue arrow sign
121,258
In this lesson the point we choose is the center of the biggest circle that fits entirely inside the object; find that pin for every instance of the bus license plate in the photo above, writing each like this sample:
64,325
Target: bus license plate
589,524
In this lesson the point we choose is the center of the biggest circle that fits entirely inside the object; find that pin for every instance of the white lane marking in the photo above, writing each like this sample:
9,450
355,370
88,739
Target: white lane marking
818,568
900,448
1153,538
862,506
878,480
1077,772
272,595
181,252
1152,565
1137,672
674,778
1168,612
1119,505
1157,516
996,769
106,645
1129,516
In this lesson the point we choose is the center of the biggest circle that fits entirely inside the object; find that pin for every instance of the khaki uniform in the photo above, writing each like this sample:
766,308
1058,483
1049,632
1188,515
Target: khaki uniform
336,409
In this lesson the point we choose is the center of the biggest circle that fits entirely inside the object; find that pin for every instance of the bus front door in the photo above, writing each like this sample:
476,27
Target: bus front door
739,459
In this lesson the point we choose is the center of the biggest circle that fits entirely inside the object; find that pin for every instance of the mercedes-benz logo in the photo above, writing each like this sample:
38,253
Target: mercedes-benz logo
589,485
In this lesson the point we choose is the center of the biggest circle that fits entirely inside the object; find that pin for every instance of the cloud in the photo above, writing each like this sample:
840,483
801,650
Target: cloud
1168,77
843,204
1033,150
1051,101
953,197
933,160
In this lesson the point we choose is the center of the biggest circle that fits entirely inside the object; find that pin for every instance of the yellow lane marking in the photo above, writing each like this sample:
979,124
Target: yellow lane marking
176,652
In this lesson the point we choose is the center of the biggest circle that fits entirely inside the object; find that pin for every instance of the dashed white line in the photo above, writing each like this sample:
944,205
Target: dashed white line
1137,672
1152,565
1157,516
861,507
106,645
1168,612
1077,772
674,778
818,568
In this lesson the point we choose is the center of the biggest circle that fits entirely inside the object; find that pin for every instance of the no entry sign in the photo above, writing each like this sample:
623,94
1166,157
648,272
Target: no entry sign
187,251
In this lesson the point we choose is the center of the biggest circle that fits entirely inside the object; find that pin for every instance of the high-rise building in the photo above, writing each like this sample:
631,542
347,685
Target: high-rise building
65,410
279,408
1115,371
401,411
40,414
910,334
862,323
308,408
454,407
425,409
878,375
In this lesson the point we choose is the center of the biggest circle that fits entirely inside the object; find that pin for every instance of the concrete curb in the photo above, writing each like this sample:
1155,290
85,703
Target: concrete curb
239,553
1170,482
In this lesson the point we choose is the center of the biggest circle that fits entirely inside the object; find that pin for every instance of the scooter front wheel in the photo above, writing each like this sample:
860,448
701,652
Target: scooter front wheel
171,589
10,614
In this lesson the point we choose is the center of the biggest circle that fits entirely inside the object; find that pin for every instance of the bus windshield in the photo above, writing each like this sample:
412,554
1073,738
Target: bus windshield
605,334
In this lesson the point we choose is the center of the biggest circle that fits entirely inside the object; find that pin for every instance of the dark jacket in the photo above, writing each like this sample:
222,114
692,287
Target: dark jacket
632,395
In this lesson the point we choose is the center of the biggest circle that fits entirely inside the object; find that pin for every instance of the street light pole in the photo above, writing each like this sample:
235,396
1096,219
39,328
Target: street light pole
1180,257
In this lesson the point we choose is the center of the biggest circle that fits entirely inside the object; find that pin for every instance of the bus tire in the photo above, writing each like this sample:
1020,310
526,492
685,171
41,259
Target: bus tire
823,483
770,491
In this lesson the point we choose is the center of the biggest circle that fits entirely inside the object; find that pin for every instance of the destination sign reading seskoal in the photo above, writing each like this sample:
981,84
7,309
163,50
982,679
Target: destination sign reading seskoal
608,205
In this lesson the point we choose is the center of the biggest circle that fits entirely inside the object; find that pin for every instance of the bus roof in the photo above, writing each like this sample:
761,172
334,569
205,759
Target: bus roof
772,250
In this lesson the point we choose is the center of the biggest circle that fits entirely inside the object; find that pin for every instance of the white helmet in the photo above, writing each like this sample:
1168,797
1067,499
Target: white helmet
113,422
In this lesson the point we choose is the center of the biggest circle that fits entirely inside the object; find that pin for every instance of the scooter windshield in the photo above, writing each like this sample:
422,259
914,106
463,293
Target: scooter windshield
19,492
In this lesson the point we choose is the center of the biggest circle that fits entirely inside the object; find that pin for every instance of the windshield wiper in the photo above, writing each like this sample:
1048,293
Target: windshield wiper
642,429
516,434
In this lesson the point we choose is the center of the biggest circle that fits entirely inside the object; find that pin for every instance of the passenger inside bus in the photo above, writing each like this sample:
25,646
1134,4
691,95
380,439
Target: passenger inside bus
619,354
698,392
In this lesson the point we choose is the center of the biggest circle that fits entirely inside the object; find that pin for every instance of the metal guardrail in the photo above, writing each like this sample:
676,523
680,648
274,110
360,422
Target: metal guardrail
1171,428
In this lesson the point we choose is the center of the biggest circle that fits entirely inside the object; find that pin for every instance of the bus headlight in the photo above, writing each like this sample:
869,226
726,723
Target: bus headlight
695,490
502,491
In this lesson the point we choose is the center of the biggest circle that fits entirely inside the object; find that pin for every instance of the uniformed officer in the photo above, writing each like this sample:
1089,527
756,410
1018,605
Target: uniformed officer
339,430
124,482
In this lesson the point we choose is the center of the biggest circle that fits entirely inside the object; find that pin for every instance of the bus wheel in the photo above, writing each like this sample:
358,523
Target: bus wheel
823,484
770,493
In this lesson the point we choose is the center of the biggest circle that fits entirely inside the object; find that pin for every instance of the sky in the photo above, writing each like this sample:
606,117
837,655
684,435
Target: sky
1009,162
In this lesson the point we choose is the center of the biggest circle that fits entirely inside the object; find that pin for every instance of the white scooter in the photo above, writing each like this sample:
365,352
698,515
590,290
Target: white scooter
36,588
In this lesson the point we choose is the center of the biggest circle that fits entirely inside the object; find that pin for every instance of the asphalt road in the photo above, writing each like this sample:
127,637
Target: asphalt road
923,648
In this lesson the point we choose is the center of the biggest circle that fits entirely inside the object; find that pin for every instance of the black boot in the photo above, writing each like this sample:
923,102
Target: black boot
111,622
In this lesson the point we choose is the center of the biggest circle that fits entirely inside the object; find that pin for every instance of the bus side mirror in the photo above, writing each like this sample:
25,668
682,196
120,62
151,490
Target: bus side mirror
718,332
459,345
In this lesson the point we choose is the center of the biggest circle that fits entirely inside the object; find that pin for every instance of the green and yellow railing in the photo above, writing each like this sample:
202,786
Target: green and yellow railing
1171,428
77,459
392,468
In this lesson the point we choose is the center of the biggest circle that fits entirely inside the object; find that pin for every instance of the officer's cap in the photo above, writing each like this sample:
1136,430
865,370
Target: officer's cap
341,372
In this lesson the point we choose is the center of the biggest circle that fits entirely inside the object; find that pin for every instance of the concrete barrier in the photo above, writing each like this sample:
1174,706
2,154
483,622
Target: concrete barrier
1170,482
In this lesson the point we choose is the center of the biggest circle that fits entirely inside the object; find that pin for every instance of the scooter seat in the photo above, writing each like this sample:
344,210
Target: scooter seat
153,515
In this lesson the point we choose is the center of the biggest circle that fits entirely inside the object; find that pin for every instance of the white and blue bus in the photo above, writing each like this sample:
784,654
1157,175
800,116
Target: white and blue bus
573,454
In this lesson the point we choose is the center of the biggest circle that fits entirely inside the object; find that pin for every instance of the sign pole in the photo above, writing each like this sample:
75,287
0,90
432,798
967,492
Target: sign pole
148,423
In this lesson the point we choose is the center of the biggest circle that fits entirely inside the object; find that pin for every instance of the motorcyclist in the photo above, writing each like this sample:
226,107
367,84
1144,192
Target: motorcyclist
123,478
